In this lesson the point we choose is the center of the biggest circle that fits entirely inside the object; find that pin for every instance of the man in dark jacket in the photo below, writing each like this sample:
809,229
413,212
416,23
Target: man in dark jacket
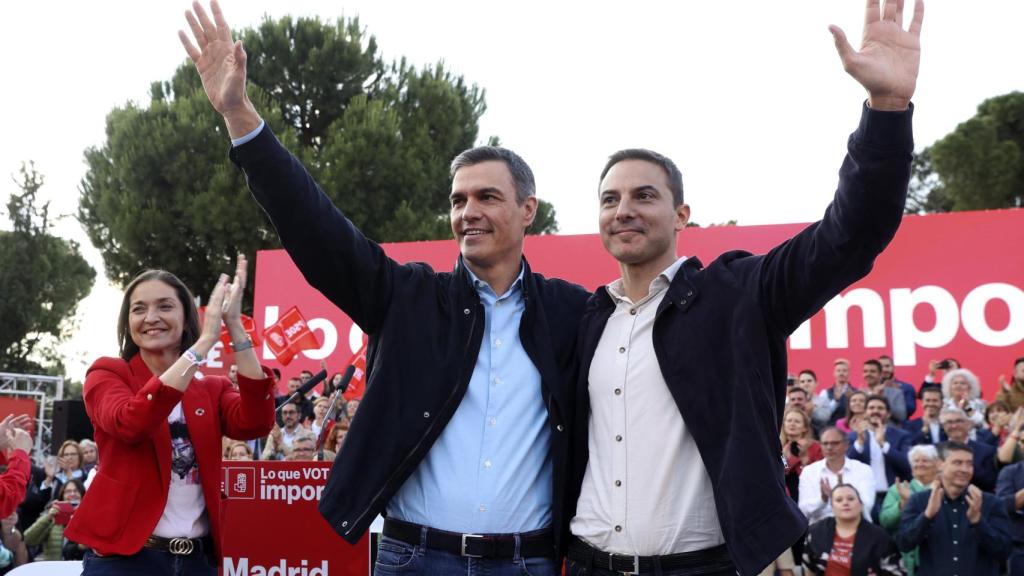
461,439
683,368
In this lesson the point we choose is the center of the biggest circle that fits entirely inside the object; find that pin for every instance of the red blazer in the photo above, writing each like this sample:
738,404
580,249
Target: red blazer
128,407
13,482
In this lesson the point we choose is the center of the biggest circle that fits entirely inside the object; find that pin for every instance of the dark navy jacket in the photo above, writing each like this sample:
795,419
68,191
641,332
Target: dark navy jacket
921,435
720,338
425,330
1011,479
896,462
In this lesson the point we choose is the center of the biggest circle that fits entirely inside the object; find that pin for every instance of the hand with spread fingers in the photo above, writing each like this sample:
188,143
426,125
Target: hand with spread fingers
220,62
889,58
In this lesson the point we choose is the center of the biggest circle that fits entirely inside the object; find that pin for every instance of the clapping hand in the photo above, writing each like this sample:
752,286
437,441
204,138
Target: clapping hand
974,501
889,58
934,500
903,489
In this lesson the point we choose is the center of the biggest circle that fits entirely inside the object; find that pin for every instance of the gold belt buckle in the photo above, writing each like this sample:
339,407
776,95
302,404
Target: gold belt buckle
181,546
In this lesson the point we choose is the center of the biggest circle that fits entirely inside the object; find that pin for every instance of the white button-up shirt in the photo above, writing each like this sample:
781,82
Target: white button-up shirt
857,474
646,490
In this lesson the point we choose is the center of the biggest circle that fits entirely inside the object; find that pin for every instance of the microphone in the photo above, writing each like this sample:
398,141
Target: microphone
346,378
318,378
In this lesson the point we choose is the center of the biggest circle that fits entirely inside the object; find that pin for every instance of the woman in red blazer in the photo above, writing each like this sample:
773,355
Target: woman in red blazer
153,507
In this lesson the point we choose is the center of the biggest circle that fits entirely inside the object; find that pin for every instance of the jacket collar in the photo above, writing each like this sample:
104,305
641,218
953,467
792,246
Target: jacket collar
467,292
683,290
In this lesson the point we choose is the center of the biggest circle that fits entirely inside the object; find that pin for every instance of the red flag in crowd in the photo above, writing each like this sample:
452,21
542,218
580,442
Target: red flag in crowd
289,335
250,329
357,385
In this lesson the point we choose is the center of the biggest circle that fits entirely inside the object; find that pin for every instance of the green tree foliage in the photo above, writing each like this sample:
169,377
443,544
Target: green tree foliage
42,279
378,137
977,166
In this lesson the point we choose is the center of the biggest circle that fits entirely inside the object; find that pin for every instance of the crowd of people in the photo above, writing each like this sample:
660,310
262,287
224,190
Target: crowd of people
902,479
300,418
34,530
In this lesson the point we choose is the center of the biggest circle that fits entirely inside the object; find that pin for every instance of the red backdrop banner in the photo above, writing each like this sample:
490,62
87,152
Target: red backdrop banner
949,285
271,526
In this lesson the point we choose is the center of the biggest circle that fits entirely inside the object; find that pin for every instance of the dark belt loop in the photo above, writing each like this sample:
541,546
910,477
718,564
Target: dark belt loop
591,551
657,565
516,556
423,538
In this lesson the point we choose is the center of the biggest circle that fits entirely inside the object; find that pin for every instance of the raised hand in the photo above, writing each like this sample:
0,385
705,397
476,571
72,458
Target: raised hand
934,500
22,441
903,489
213,315
221,66
974,501
889,58
234,293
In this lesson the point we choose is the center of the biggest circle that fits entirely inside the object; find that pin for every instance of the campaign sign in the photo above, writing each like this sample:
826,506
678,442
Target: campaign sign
271,526
949,285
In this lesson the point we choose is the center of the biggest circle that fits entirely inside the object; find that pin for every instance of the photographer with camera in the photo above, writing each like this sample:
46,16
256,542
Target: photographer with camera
48,530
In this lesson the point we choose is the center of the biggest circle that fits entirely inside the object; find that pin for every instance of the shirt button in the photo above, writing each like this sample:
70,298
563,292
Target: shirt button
618,528
559,428
426,414
618,438
618,482
633,312
497,342
618,391
492,422
466,311
954,525
622,349
487,463
483,508
497,380
954,542
955,559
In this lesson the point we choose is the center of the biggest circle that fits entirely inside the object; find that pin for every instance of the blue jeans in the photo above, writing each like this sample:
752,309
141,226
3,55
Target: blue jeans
148,562
397,557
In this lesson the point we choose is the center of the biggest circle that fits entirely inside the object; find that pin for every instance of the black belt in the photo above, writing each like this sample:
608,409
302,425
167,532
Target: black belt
180,546
716,558
539,544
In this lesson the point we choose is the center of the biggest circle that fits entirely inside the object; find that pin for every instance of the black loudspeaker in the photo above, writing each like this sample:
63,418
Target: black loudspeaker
70,422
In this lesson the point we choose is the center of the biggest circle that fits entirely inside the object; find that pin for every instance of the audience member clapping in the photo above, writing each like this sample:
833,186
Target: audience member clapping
798,447
856,406
69,461
961,390
1012,392
958,427
924,465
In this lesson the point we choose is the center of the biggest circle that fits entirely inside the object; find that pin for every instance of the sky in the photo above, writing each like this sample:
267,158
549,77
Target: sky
748,97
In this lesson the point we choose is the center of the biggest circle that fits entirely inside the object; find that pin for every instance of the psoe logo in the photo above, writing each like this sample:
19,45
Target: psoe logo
241,567
240,483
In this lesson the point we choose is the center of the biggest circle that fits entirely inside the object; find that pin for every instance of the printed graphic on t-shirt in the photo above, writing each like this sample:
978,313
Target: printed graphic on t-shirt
183,457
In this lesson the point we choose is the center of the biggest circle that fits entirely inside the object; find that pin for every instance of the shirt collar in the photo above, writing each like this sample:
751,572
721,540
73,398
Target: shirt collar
485,288
660,283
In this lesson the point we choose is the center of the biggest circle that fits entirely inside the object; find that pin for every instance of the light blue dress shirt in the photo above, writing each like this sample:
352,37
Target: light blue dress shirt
490,471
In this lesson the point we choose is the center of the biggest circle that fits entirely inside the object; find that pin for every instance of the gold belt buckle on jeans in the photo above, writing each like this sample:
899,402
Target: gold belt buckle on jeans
181,546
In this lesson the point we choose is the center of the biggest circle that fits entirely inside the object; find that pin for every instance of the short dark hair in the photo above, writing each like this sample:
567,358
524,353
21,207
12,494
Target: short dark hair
998,404
190,326
836,430
1018,361
78,482
885,357
873,362
797,388
928,389
950,446
306,372
522,176
808,371
277,374
878,398
675,177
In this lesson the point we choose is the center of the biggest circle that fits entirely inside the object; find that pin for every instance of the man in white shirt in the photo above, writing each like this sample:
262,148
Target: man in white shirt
683,367
819,478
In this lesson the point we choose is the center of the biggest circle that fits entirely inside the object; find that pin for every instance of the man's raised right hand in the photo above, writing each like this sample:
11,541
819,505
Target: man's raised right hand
221,66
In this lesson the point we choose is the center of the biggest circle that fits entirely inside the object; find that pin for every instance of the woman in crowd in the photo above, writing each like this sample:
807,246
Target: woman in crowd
320,406
924,465
798,447
961,390
48,530
90,456
69,461
238,451
155,504
846,543
856,405
998,423
336,437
